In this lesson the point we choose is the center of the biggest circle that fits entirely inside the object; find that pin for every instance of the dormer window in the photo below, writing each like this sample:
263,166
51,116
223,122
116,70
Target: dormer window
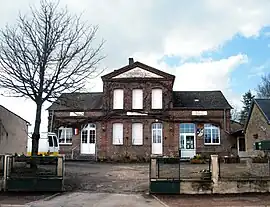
157,98
137,99
118,99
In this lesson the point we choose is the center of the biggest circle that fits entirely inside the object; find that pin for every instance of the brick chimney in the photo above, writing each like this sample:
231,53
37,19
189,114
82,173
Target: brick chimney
130,61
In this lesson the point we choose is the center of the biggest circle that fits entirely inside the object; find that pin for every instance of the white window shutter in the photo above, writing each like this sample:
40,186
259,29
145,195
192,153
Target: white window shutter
137,99
118,99
157,98
118,133
137,133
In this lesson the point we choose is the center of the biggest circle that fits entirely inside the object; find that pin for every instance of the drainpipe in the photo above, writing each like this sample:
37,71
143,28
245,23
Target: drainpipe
52,121
224,120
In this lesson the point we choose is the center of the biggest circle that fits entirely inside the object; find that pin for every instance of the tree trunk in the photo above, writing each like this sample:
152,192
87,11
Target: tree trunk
36,134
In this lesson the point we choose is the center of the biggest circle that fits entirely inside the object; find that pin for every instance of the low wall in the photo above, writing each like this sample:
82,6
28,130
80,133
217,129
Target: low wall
224,186
215,185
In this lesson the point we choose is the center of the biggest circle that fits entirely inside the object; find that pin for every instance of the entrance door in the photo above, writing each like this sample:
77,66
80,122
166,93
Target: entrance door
88,139
187,145
157,138
241,145
187,142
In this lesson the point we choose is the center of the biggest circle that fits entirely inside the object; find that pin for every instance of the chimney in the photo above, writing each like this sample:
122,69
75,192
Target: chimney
130,61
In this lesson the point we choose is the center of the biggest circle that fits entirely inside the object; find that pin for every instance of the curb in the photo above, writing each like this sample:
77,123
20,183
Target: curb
40,200
161,202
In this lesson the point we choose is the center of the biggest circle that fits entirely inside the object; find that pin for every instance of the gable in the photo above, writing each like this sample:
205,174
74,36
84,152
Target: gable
138,73
137,70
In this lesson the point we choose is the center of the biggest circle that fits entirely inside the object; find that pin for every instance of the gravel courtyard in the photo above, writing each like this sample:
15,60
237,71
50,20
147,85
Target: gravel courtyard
134,178
107,178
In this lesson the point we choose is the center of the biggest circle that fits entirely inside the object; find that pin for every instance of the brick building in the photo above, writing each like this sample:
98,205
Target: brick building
257,126
139,114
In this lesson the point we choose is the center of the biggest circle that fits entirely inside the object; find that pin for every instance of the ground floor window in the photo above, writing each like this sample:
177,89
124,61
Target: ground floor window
137,134
211,134
118,134
65,135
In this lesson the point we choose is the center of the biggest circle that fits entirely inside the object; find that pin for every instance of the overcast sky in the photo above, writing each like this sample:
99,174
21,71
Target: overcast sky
208,44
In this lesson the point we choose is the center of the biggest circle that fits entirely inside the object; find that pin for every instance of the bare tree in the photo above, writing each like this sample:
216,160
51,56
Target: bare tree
47,53
263,90
235,114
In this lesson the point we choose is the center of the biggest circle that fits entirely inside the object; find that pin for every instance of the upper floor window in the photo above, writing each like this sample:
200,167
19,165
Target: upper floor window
118,134
118,99
65,135
157,98
137,99
211,134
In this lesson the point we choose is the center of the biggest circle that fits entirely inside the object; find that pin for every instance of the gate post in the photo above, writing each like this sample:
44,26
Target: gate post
214,168
153,167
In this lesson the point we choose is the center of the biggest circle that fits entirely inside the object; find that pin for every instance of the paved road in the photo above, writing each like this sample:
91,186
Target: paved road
85,199
248,200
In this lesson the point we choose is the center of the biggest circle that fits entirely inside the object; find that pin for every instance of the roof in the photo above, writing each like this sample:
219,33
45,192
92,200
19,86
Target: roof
200,100
140,65
15,114
181,99
264,106
236,128
78,101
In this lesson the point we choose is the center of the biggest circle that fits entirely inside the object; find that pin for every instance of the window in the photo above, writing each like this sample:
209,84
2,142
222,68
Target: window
157,99
137,99
187,128
50,141
157,132
55,141
137,133
211,134
65,135
118,133
118,99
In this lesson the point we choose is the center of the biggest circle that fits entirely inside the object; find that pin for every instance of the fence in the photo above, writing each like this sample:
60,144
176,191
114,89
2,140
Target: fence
167,173
244,167
33,173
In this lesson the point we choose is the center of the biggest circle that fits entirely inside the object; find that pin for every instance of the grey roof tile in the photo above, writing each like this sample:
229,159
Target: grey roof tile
264,105
78,101
205,100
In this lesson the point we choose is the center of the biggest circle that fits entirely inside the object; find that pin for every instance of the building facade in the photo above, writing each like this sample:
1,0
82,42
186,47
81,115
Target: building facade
257,126
13,132
139,114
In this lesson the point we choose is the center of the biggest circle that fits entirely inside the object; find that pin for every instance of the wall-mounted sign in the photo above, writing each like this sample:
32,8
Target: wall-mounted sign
199,113
76,114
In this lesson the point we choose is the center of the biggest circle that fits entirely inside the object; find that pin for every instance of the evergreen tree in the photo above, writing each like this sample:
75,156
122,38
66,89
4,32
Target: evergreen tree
247,101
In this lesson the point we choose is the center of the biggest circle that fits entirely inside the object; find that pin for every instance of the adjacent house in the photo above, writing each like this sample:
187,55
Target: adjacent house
139,114
257,126
13,132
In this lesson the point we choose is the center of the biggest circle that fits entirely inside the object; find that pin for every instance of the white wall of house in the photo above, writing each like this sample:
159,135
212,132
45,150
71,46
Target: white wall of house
13,133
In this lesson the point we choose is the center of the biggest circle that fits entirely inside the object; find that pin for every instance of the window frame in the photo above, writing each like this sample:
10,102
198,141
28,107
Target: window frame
64,129
115,100
211,127
132,133
134,106
153,99
121,142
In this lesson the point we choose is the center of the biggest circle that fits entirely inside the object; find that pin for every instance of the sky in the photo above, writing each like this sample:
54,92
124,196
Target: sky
207,44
